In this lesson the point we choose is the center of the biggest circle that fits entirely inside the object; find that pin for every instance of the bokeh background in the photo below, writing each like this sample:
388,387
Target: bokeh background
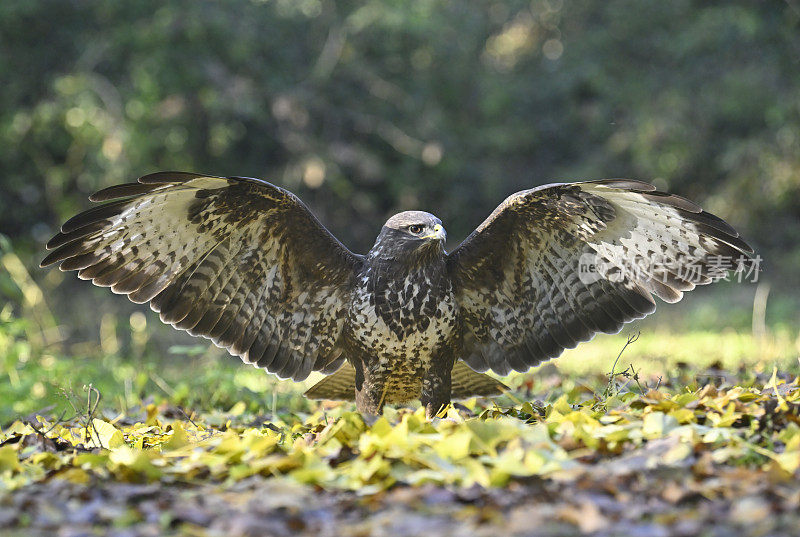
367,108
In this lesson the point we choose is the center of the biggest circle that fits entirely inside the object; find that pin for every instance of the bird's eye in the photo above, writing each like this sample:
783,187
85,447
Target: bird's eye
416,229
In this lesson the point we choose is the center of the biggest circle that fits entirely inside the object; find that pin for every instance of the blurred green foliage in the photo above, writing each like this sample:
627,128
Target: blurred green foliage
365,108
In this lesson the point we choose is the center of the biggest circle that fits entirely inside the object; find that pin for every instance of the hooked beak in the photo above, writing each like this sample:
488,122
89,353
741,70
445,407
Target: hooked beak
438,234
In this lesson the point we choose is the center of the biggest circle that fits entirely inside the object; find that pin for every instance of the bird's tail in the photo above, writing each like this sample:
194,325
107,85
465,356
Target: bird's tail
338,386
465,383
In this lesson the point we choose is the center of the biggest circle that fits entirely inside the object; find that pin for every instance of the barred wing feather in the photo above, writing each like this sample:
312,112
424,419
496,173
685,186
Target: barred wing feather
236,260
519,279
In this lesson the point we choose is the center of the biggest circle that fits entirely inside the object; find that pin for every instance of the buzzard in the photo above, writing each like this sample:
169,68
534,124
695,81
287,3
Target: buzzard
246,264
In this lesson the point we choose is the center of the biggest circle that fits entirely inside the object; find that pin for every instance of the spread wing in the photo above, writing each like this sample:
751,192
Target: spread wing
236,260
554,265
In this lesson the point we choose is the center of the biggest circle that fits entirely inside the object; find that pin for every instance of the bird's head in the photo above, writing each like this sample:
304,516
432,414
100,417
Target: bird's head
410,233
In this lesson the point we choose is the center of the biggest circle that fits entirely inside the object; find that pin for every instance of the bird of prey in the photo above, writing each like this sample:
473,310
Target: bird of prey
246,264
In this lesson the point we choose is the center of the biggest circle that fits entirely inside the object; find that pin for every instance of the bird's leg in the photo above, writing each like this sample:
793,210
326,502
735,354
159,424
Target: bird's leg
436,387
370,398
370,390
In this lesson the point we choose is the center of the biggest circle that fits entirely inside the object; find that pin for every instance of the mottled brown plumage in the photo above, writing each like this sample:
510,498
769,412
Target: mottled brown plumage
245,264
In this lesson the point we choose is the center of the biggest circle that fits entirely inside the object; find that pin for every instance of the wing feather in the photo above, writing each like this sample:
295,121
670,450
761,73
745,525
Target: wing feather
518,276
236,260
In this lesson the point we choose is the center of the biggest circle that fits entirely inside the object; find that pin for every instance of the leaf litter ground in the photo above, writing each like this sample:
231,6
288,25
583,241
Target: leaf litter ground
675,458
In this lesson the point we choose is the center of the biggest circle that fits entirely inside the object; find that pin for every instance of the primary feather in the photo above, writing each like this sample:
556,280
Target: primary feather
236,260
523,297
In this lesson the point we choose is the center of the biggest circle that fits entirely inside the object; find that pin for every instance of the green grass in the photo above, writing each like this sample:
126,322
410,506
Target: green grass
205,377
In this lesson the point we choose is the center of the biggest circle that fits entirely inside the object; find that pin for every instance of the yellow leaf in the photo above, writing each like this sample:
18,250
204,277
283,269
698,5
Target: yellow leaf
257,444
487,434
676,453
106,435
685,398
238,409
683,415
789,461
314,471
90,460
455,446
9,459
76,475
791,437
18,428
125,460
178,439
773,383
46,460
727,418
152,414
381,427
657,424
476,473
561,406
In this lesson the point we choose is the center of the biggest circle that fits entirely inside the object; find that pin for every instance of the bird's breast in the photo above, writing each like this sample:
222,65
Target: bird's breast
407,317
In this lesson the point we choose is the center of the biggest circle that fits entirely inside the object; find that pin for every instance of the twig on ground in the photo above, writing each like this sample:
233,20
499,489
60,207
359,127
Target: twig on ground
658,384
635,376
40,432
612,375
68,396
90,410
185,415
